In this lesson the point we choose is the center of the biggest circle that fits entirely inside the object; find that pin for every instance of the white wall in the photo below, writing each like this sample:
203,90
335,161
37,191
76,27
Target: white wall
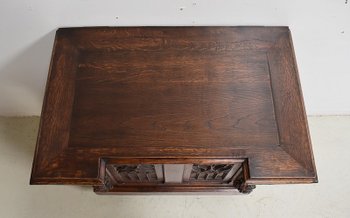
321,33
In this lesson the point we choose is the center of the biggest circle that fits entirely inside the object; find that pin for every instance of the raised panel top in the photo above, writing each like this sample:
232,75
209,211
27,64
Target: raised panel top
172,98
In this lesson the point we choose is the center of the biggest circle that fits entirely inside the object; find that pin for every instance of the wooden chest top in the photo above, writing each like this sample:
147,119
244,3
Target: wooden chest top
173,93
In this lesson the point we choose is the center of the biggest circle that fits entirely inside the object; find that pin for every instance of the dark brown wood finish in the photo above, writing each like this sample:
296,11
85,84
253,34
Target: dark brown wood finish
176,97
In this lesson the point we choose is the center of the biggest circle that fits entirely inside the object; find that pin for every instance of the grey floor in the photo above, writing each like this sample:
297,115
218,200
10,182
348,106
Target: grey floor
329,198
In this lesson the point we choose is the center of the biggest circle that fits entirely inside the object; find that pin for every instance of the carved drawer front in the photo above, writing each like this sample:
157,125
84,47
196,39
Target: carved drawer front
171,174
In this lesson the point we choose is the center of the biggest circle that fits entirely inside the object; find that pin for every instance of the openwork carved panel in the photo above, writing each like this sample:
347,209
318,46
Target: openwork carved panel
221,173
137,173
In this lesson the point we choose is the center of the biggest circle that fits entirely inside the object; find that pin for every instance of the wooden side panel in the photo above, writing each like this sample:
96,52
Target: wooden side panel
56,112
289,105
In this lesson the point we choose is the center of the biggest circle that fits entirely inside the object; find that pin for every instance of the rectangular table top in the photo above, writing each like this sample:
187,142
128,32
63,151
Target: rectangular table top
173,92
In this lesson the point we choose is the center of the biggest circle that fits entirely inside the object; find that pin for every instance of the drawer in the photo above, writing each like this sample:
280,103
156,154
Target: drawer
200,175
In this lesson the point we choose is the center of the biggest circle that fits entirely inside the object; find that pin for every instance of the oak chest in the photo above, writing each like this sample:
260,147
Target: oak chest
154,109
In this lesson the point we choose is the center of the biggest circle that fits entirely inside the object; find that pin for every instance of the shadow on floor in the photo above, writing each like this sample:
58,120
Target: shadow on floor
18,135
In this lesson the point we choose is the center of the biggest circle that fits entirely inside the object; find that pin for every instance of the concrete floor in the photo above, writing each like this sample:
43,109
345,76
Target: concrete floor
329,198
